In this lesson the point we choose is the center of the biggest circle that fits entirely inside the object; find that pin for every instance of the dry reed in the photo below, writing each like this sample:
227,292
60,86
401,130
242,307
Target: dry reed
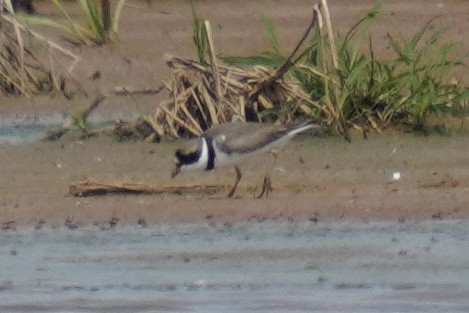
202,95
21,70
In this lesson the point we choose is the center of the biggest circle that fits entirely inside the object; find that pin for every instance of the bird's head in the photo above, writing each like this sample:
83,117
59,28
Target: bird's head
185,157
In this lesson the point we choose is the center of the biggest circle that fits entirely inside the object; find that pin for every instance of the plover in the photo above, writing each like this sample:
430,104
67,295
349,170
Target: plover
230,143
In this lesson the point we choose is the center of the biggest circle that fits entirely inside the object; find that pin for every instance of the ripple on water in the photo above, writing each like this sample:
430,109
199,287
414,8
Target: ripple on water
263,267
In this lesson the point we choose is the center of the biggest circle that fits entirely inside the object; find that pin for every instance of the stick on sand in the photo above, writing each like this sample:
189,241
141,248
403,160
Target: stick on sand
84,189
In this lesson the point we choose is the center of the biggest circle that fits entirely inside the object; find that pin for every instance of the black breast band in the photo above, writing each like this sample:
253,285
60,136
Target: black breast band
211,154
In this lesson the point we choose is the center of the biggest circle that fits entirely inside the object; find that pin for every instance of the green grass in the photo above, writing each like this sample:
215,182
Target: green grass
362,91
80,121
199,35
100,26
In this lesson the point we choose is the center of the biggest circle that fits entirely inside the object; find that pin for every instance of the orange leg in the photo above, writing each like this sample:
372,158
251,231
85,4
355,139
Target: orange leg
238,178
266,188
267,185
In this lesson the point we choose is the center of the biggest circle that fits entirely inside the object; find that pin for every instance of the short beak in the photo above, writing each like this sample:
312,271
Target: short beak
176,171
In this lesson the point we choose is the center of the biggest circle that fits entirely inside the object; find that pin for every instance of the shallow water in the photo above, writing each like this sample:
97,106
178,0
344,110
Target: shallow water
261,267
27,128
16,134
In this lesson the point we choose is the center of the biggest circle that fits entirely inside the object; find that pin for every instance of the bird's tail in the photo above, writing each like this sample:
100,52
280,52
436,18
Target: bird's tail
300,126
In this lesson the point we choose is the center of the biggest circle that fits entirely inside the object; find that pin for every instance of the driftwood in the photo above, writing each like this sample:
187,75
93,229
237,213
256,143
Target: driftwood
84,189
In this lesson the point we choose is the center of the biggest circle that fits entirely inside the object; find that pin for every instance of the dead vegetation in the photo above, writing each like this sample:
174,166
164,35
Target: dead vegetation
202,95
22,70
321,79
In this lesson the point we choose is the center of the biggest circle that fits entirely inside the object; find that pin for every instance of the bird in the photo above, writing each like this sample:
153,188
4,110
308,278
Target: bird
231,143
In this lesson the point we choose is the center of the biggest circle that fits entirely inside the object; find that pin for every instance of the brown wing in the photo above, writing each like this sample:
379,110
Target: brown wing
242,137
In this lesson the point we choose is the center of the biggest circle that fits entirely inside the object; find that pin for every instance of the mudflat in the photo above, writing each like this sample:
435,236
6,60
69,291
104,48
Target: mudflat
317,178
389,176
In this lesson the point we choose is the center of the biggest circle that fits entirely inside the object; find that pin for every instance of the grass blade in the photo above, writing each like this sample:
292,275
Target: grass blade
117,15
269,29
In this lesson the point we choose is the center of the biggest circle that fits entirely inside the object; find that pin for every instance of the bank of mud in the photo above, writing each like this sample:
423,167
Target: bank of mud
392,176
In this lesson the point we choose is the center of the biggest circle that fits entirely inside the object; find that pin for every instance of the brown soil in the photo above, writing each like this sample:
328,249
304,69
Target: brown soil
316,178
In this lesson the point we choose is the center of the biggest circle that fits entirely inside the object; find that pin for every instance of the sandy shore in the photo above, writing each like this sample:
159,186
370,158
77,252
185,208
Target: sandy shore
316,178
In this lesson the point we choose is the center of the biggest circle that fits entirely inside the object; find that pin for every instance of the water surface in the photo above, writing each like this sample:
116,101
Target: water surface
247,267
